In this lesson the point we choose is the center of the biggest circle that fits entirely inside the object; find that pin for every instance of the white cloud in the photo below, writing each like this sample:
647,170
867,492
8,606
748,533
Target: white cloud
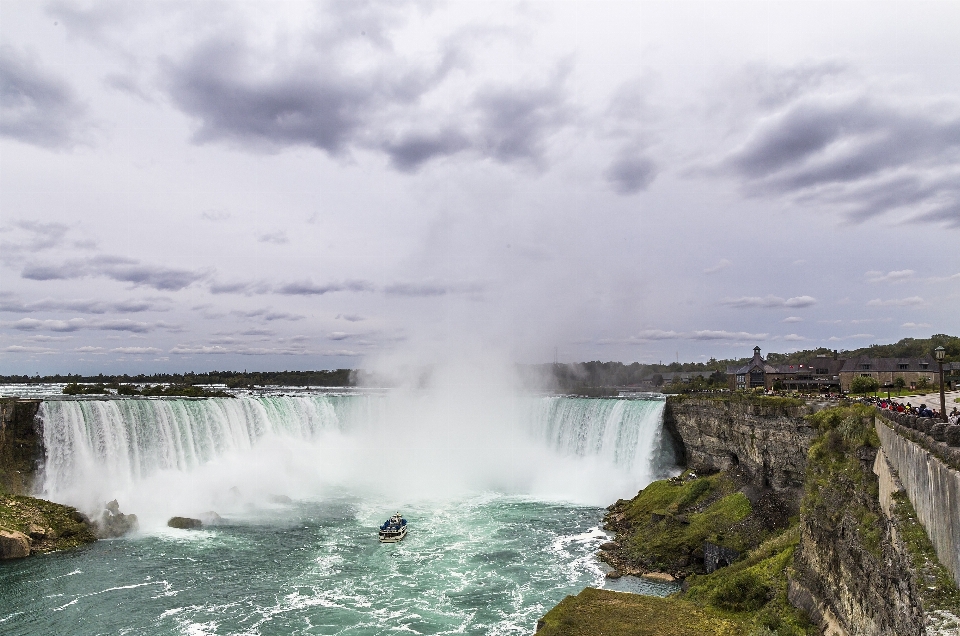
792,319
767,302
896,302
915,325
723,264
890,277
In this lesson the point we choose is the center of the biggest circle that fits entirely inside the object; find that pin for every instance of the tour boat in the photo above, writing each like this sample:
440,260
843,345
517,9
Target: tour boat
394,529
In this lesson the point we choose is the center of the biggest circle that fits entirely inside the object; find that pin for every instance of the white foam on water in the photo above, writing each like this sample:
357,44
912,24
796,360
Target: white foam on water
163,458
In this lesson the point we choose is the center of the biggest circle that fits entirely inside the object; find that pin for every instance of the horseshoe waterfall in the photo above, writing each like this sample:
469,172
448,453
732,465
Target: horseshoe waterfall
503,498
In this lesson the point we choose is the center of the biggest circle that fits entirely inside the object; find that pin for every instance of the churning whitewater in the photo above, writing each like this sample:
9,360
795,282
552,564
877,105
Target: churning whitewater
503,498
166,457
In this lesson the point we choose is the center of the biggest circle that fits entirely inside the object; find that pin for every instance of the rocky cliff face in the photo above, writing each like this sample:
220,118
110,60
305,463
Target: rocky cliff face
766,438
21,445
851,571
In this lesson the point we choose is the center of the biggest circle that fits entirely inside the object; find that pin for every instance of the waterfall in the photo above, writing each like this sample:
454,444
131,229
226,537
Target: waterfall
180,455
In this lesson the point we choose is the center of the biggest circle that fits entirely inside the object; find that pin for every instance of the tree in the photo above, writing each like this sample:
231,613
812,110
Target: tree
899,383
864,384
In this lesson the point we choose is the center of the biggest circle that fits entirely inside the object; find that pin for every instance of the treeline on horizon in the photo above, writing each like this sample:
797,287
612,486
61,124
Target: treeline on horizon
233,379
567,377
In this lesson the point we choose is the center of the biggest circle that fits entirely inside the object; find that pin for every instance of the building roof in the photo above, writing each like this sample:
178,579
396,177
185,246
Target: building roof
831,365
757,363
889,364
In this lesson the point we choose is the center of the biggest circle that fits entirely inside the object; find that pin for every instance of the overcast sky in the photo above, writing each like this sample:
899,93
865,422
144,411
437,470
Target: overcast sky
200,185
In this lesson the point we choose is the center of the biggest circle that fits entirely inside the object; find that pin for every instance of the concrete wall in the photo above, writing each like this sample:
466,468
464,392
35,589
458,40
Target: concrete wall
934,491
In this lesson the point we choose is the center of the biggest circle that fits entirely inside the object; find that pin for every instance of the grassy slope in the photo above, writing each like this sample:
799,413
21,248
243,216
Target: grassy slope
750,596
69,530
606,613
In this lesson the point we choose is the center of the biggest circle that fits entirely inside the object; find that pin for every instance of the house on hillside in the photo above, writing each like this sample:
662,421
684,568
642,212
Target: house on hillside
886,371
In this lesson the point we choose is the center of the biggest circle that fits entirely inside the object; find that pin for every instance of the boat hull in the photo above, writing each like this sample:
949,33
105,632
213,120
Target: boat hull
393,536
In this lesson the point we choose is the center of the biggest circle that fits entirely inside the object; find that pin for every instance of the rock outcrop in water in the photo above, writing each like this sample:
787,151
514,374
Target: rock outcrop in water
113,523
185,523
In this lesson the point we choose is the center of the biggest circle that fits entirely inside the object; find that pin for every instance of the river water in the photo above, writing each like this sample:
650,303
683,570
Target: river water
504,500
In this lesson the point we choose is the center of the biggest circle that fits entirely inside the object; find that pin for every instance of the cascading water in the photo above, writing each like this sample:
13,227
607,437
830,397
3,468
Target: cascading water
503,497
165,453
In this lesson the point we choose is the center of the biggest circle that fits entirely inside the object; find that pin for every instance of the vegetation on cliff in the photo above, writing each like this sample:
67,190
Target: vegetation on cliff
50,526
666,525
593,612
669,523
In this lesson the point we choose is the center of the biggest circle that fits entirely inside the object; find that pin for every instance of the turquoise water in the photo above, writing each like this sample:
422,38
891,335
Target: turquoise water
503,497
484,565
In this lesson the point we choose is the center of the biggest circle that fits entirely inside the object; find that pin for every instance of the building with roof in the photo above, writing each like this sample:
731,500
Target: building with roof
752,375
823,374
886,371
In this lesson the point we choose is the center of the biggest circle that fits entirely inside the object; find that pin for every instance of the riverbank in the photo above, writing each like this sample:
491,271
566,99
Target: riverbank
34,526
837,557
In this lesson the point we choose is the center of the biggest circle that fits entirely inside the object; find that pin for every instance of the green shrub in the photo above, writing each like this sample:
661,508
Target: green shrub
864,384
744,592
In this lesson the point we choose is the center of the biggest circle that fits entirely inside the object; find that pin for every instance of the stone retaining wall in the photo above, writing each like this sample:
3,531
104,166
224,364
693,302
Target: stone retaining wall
932,486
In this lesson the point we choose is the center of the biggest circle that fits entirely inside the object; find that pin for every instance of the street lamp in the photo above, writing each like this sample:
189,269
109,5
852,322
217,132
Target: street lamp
938,353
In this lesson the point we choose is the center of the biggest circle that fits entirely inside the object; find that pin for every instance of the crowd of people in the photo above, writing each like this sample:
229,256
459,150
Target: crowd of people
921,410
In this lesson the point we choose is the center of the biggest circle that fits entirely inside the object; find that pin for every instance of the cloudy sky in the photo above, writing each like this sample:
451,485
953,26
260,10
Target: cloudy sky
194,186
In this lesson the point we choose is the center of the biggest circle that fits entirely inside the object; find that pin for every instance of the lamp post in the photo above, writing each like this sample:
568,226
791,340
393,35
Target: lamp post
938,353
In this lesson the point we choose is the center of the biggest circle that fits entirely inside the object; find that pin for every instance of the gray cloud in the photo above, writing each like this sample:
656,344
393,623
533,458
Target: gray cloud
896,302
515,120
83,306
188,349
319,97
38,237
751,302
431,289
37,107
858,155
631,174
726,335
277,238
76,324
266,314
412,150
28,349
350,317
121,269
632,120
308,288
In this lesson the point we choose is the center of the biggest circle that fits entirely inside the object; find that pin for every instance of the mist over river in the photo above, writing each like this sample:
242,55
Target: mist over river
504,498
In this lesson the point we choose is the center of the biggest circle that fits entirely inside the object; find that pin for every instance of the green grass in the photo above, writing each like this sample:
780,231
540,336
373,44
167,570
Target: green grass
753,591
672,519
940,591
18,512
596,612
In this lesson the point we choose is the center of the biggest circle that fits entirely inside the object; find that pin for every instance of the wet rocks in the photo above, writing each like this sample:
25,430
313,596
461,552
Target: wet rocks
185,523
114,523
14,545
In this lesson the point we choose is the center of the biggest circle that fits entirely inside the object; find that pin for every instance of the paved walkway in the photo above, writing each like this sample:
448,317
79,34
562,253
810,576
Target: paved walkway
932,400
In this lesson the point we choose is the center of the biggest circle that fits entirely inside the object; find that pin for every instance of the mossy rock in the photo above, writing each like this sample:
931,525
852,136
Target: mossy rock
63,526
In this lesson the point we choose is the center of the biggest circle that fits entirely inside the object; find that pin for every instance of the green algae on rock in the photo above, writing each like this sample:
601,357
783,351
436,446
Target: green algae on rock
48,526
